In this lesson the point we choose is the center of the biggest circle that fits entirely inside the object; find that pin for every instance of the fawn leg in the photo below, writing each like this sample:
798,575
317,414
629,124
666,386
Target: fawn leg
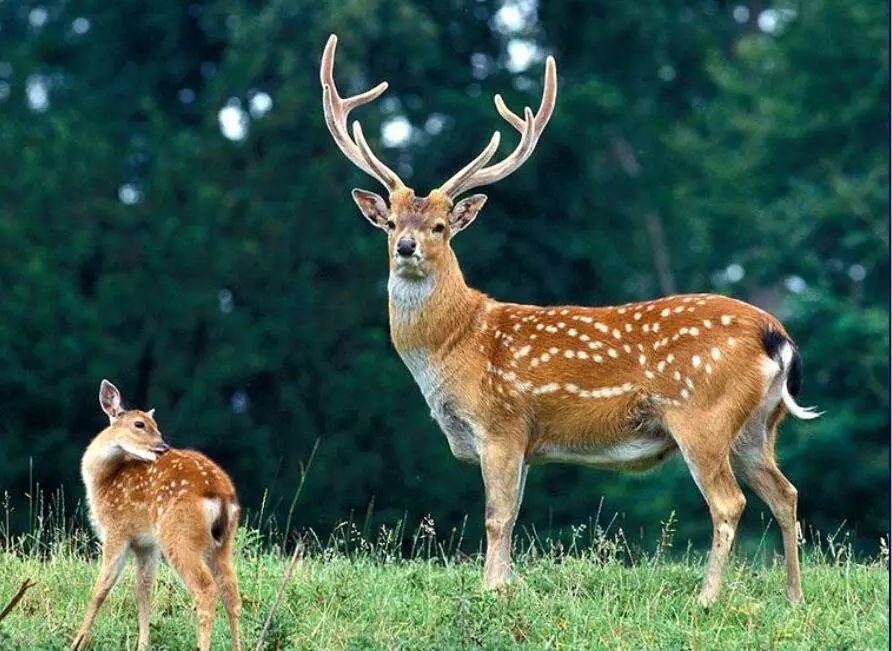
227,582
147,565
114,554
186,547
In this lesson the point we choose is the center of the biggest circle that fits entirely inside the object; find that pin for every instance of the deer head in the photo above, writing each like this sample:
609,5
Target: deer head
131,433
419,229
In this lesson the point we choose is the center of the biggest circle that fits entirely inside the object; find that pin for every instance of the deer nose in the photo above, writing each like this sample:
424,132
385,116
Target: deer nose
405,246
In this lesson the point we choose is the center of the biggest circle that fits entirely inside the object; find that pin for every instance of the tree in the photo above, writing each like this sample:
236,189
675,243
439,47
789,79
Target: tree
178,220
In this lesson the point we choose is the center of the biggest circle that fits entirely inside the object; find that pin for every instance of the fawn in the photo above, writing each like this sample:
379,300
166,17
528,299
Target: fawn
622,387
151,499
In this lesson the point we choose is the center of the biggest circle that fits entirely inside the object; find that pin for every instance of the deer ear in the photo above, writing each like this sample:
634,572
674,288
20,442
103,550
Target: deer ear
465,211
372,206
110,400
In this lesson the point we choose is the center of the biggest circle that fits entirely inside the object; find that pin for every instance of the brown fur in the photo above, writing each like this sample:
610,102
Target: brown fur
153,501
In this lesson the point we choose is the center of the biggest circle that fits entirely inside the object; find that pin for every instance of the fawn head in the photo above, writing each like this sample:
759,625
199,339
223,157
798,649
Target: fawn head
132,432
419,229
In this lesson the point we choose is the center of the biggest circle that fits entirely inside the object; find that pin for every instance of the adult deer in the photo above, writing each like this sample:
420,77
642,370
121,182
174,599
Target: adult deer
149,498
621,386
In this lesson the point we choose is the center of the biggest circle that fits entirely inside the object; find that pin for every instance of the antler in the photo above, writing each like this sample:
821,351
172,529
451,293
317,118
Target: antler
530,128
336,111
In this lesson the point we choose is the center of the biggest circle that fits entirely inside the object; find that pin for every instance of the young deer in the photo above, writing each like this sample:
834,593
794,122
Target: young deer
615,387
149,498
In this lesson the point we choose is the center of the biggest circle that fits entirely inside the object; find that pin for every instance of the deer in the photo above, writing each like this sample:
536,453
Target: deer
621,387
151,499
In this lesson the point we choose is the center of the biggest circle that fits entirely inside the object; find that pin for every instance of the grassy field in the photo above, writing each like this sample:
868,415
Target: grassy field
349,593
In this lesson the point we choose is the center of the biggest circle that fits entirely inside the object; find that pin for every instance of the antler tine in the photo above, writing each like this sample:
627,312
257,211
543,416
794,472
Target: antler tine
336,109
468,170
501,169
341,139
530,127
364,98
379,170
546,106
507,113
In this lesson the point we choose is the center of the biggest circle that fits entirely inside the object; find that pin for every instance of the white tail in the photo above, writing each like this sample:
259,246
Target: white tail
803,413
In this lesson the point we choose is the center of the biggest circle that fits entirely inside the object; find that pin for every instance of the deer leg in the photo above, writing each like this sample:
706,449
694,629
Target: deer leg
224,573
754,459
187,547
147,565
726,503
189,563
114,554
707,458
504,473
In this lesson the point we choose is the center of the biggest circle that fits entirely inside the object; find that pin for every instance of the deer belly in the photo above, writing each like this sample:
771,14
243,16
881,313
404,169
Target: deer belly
632,454
459,430
145,540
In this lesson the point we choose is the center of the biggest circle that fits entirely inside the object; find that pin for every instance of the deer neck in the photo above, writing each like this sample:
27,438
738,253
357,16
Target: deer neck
431,314
101,460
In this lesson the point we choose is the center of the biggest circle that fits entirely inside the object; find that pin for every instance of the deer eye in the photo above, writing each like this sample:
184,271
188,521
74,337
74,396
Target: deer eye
439,228
391,224
139,424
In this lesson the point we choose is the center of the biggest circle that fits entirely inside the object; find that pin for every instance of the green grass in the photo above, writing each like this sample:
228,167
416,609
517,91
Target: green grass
351,593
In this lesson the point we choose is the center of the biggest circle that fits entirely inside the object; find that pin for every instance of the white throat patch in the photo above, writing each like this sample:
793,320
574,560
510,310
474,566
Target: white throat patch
425,376
408,295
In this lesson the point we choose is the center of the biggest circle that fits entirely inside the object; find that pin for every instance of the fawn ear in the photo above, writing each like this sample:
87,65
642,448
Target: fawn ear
151,413
110,400
372,206
465,211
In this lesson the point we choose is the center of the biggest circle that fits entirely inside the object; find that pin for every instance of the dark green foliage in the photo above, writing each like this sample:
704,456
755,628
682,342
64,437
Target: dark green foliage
683,142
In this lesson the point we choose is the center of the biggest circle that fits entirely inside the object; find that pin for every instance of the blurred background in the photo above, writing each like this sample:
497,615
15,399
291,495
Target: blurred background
175,217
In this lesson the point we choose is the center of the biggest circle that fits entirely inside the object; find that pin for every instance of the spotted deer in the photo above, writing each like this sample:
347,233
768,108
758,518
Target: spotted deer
151,499
623,386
